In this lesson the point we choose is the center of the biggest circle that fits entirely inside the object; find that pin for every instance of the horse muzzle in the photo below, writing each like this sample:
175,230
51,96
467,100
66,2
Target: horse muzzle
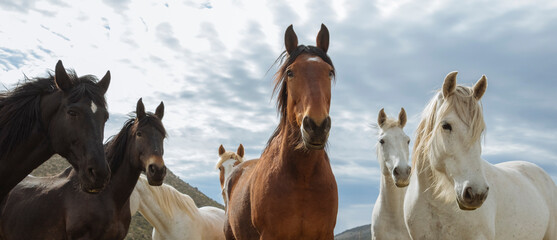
315,136
471,199
155,174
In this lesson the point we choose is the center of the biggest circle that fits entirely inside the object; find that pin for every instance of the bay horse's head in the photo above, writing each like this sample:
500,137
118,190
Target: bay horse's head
392,148
304,81
74,116
147,137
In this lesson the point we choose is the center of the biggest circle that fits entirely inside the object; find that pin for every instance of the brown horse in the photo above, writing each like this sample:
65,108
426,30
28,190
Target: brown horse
62,114
291,192
53,207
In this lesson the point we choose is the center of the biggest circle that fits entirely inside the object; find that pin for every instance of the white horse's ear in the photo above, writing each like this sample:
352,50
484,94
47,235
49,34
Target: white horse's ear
290,40
381,118
402,118
221,150
480,87
240,151
323,38
449,85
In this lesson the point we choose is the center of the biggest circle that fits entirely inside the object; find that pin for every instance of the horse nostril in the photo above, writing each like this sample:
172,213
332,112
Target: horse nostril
408,170
468,196
396,171
152,169
307,124
92,173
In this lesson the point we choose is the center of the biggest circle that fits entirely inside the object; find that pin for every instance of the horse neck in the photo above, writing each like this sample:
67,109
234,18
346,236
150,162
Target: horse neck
123,180
284,154
155,215
391,196
18,163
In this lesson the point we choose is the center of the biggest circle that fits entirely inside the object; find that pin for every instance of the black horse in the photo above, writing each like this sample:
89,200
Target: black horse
53,207
63,114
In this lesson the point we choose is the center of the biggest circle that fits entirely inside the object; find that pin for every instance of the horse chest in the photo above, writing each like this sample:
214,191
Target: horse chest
307,211
101,221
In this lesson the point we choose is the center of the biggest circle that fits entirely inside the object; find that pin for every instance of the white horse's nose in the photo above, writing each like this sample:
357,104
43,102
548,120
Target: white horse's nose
472,197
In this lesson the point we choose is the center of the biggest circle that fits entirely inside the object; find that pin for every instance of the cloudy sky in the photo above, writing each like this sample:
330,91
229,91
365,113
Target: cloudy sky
211,64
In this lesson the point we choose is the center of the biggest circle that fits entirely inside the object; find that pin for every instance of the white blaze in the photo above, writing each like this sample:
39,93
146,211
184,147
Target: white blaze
93,107
314,59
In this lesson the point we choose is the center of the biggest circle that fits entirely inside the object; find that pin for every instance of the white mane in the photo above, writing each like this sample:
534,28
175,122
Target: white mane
168,197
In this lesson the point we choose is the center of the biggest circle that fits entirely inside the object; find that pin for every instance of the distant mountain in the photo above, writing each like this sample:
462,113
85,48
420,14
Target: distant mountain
140,229
357,233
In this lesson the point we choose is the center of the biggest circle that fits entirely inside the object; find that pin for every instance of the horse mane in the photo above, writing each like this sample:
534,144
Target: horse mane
227,156
20,107
426,146
115,146
167,196
281,90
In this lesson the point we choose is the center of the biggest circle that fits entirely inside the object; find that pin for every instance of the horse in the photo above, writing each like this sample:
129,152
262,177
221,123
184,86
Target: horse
61,113
387,221
53,208
174,215
227,161
455,194
290,192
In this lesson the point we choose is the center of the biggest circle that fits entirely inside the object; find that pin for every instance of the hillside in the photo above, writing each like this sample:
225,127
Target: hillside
140,229
357,233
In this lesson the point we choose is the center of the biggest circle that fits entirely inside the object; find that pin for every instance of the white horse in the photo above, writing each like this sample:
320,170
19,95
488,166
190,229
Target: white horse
174,215
387,219
455,194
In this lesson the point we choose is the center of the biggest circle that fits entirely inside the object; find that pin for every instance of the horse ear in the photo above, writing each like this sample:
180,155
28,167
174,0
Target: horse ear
140,109
449,85
382,117
63,81
480,87
323,38
240,151
104,82
290,40
402,118
160,111
221,150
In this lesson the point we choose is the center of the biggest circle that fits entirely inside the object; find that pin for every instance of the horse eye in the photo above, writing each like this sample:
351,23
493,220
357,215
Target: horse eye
408,142
381,141
138,134
72,113
289,73
331,74
447,126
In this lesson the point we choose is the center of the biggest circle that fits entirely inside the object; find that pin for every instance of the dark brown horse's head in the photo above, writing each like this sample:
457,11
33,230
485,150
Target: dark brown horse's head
305,88
74,118
146,143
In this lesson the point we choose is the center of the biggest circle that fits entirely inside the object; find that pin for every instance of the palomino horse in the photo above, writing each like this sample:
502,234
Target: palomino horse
62,114
227,161
291,192
455,194
52,208
174,215
387,221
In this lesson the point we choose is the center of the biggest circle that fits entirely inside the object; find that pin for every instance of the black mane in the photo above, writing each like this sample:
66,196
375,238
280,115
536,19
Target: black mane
115,147
280,89
20,108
